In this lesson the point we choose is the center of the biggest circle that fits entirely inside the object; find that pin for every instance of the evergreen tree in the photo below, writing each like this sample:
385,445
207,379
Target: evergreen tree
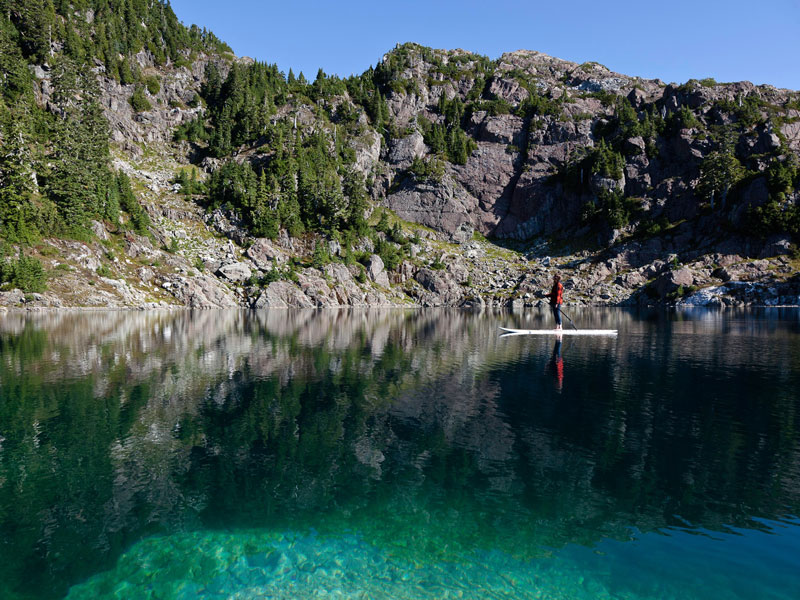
139,218
78,181
720,171
264,217
18,214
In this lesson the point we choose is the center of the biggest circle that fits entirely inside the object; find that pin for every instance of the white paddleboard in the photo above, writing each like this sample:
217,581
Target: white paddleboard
557,332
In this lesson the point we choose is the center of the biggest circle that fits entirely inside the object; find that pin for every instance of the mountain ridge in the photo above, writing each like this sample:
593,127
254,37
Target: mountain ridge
632,177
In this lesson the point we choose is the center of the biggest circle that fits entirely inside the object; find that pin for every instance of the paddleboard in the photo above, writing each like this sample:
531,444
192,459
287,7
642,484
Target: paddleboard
557,332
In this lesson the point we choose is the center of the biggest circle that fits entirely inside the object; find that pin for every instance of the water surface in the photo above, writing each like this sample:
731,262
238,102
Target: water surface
399,454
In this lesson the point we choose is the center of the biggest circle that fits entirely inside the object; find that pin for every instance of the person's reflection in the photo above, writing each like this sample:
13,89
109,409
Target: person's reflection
556,364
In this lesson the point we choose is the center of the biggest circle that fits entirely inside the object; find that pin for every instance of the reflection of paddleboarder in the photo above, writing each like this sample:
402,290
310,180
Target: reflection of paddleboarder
556,299
556,364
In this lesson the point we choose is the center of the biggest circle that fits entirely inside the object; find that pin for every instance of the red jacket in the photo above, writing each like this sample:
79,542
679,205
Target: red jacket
557,294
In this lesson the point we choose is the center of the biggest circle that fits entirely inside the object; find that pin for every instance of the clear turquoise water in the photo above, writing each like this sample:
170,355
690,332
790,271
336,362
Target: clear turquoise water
399,455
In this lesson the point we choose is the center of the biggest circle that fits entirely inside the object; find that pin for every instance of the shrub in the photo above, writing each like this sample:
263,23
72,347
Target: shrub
139,101
25,273
774,217
683,118
431,169
611,208
389,253
383,223
153,85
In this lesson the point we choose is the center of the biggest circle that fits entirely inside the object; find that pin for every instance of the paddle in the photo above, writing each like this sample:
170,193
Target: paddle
570,320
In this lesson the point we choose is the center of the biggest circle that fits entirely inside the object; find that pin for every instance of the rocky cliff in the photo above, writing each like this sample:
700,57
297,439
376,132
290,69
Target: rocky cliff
637,191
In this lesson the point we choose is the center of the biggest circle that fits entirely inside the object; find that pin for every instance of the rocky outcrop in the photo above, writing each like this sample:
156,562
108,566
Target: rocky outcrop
200,292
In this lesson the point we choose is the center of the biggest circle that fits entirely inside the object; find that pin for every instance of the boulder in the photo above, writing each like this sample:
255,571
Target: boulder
463,233
201,292
282,294
12,298
347,291
237,272
776,246
316,289
99,230
672,280
440,286
377,272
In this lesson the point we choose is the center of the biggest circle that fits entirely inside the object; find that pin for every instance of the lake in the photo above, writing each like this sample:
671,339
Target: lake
399,454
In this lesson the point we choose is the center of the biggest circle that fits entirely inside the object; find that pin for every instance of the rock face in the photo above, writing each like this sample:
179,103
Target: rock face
517,182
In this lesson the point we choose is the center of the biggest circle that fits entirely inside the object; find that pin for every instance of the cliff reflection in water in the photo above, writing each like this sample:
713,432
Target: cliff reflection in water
409,427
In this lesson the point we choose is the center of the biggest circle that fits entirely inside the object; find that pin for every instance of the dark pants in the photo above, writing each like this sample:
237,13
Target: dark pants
556,313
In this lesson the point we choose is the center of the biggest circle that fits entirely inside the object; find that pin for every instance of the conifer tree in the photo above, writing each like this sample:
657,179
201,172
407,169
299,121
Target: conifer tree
264,218
80,171
18,215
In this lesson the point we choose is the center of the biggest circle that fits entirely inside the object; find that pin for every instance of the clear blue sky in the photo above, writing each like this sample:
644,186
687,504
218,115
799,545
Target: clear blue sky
674,40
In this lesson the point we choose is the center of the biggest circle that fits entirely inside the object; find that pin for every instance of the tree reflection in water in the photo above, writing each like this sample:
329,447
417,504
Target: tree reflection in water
414,428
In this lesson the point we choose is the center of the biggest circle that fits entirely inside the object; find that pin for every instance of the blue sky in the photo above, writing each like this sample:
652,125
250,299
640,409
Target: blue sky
674,40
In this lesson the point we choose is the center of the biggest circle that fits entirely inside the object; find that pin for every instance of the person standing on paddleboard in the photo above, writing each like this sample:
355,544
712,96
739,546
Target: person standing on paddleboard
556,299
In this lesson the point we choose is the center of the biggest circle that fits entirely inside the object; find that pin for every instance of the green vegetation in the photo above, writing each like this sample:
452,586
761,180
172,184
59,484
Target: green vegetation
25,273
118,30
54,168
746,109
778,215
447,139
600,160
606,98
429,169
139,101
187,180
680,292
152,84
611,208
775,217
191,131
304,187
683,118
720,171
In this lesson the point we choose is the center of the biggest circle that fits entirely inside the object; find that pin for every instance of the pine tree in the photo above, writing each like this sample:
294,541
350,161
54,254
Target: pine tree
139,218
264,218
80,174
15,78
18,214
720,170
